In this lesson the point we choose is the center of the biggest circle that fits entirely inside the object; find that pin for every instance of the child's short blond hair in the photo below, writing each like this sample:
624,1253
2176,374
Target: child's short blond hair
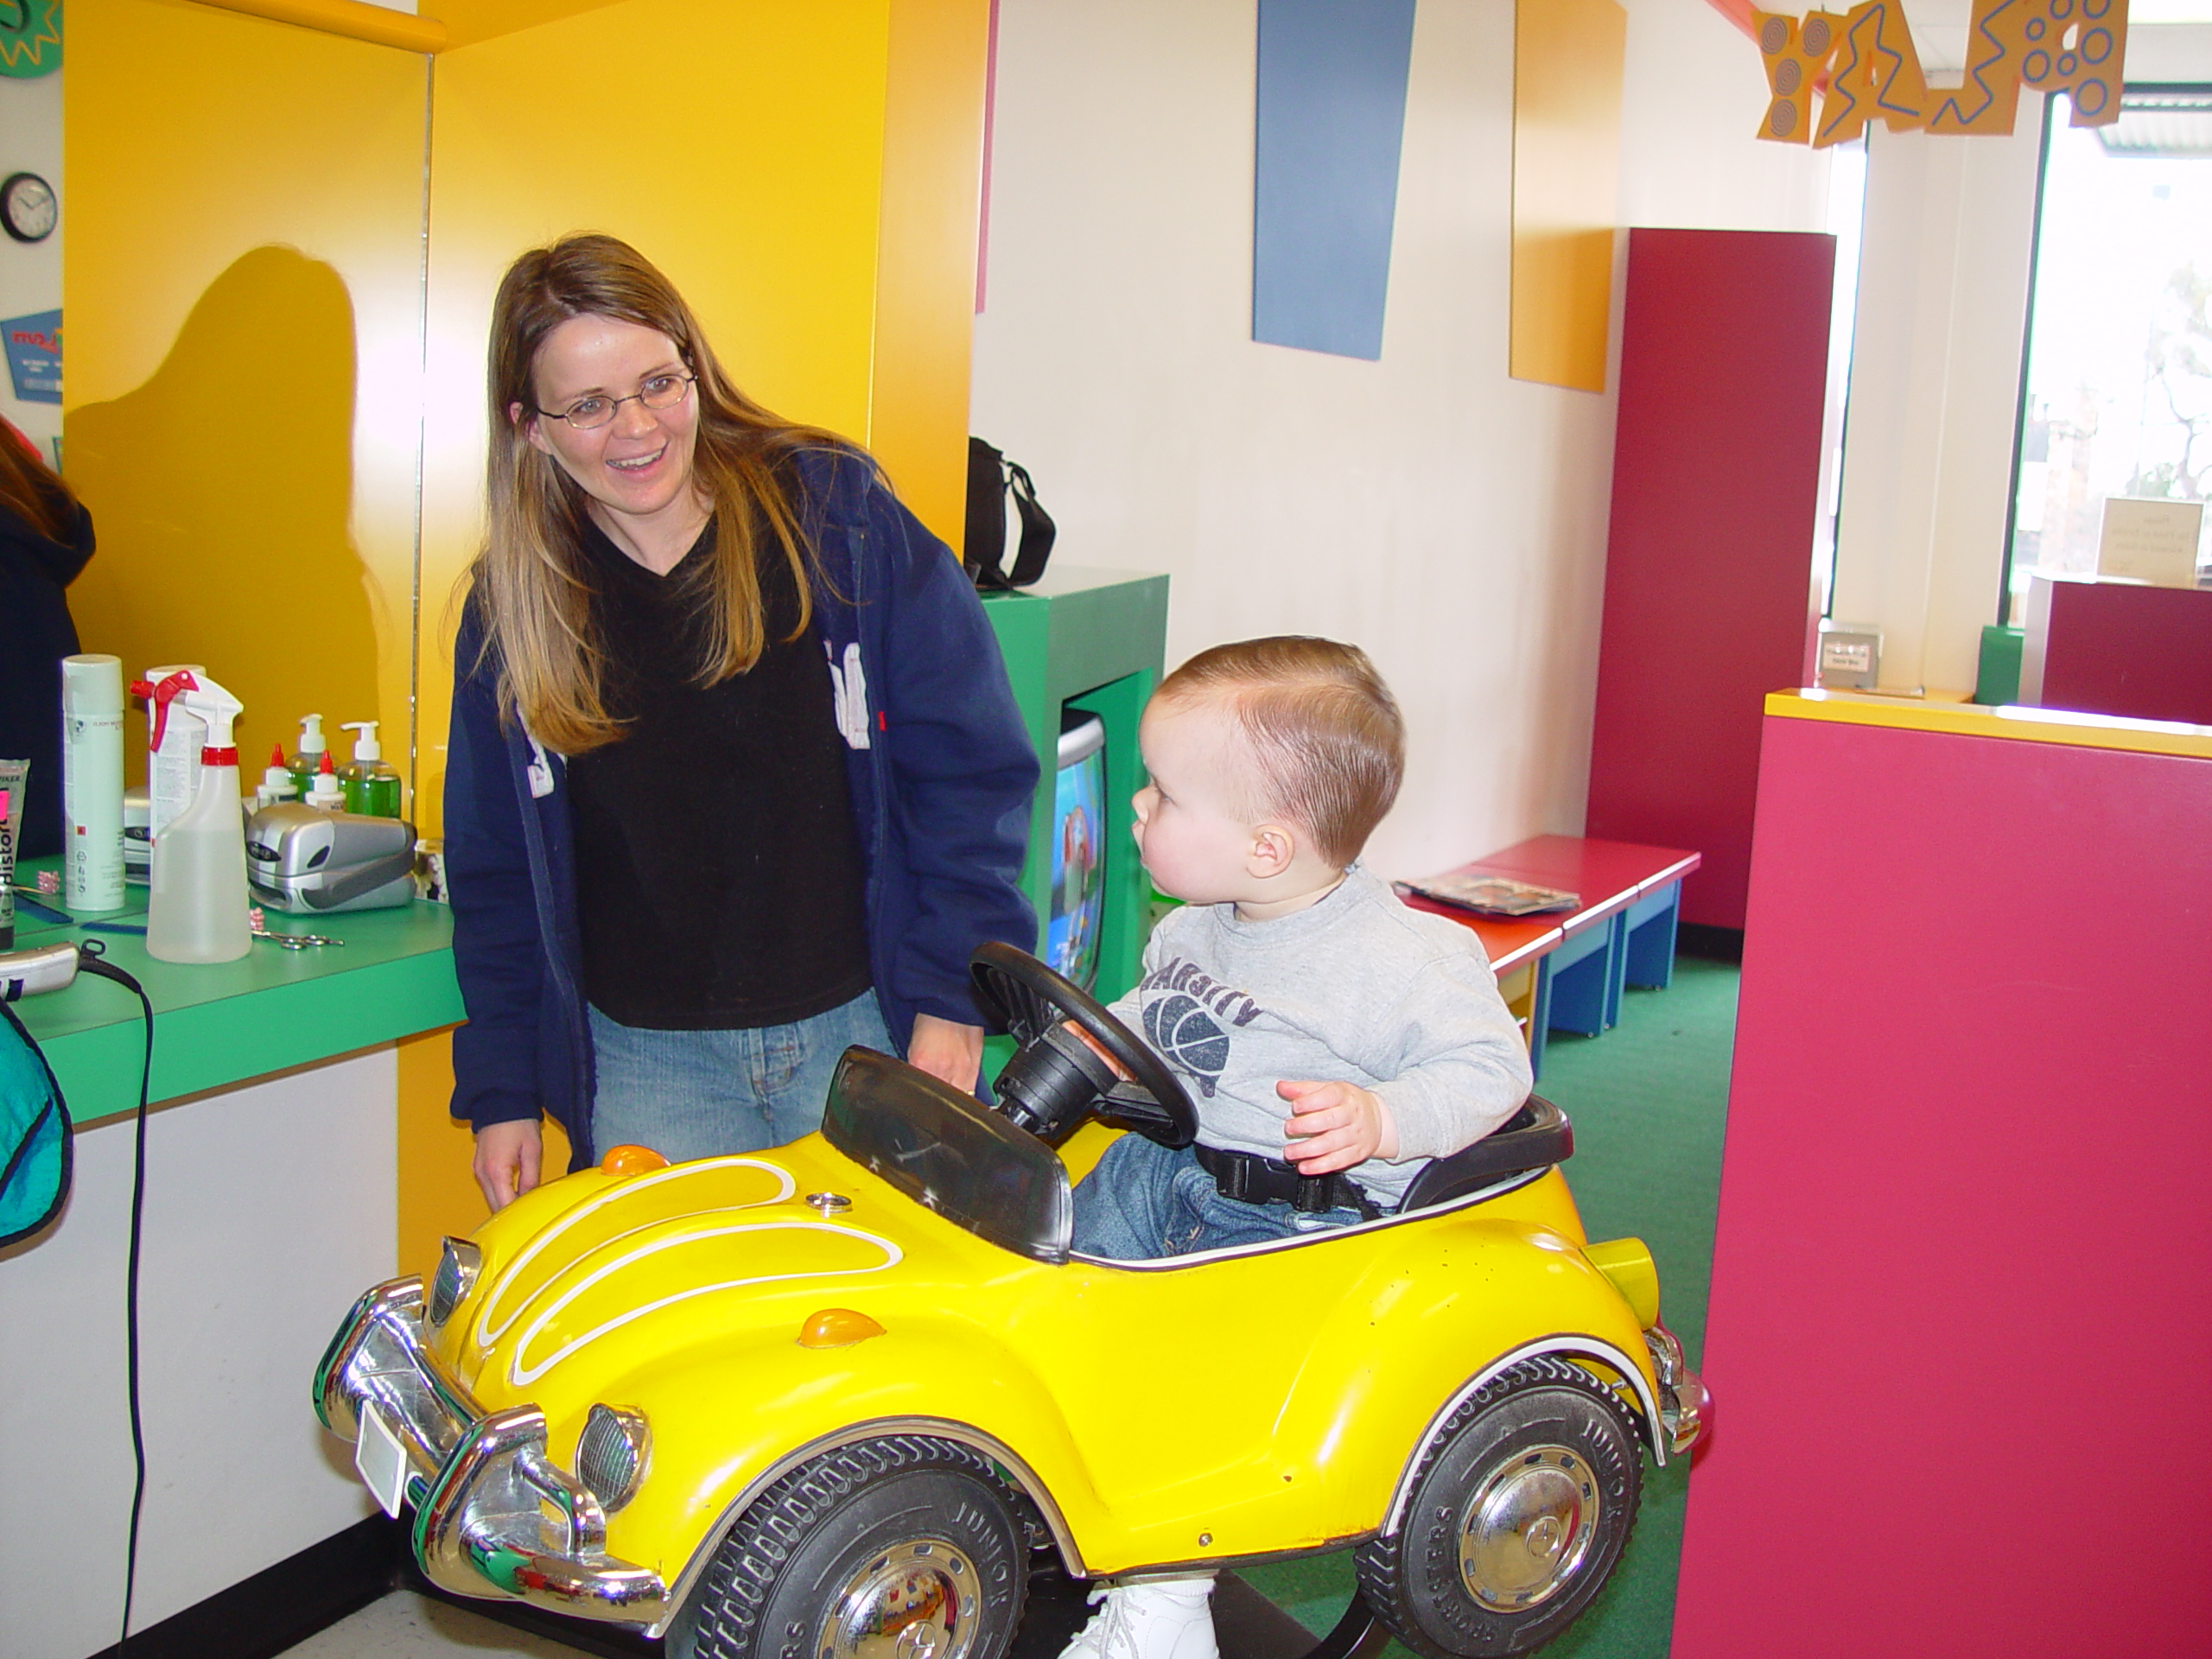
1324,731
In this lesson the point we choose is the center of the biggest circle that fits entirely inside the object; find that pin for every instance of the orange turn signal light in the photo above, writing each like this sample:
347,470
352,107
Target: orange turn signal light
632,1160
836,1327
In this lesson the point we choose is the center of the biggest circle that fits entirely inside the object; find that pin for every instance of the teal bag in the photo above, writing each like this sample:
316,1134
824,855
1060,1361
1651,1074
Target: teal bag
34,1135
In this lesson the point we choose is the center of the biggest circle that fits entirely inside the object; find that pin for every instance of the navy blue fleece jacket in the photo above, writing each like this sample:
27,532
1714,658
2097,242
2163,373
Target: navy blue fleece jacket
941,774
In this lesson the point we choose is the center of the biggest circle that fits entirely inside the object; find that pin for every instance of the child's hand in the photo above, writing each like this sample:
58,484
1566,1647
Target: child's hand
1335,1125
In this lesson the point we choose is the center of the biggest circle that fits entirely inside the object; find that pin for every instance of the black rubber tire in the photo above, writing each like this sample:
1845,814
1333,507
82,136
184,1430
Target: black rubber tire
1412,1579
771,1582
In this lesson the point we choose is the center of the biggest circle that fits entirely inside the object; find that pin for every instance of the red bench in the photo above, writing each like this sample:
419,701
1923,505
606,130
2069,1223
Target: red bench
1567,970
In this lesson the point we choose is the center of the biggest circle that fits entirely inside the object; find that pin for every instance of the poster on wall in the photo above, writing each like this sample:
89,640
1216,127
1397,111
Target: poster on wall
34,355
30,38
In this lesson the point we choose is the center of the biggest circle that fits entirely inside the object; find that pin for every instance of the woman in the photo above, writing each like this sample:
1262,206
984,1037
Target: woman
46,536
735,777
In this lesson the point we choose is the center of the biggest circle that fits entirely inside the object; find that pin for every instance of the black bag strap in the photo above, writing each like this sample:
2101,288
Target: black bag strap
991,478
1037,527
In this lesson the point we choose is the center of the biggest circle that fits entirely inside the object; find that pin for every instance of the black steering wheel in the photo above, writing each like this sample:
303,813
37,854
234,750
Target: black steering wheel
1056,1079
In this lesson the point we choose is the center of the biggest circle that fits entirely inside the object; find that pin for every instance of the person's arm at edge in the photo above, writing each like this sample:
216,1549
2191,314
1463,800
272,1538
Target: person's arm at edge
498,957
964,777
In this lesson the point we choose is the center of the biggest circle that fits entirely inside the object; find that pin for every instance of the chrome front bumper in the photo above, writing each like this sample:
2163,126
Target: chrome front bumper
494,1515
1685,1408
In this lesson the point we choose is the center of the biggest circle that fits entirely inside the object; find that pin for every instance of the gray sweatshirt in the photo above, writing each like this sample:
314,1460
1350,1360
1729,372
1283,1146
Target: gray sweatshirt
1357,988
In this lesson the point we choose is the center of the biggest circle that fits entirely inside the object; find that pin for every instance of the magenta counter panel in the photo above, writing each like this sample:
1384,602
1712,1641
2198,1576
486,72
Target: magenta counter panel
1961,1336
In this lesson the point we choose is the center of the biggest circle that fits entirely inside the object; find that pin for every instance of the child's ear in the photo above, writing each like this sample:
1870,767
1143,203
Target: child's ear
1273,846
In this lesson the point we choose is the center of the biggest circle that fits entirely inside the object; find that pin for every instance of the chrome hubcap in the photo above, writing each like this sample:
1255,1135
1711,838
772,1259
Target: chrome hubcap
1528,1528
917,1600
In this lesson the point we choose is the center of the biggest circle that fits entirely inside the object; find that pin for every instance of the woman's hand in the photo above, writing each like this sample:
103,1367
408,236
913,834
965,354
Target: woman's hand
507,1156
1335,1125
952,1053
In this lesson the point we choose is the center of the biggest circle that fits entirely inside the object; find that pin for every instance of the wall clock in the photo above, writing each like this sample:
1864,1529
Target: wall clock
28,208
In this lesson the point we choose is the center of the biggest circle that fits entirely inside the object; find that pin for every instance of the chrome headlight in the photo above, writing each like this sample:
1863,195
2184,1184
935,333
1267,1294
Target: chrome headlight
611,1455
459,1262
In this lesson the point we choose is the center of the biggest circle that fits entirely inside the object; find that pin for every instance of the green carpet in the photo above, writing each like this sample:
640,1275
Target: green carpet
1648,1100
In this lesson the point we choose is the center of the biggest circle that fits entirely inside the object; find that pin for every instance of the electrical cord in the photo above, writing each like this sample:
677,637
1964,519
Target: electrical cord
90,960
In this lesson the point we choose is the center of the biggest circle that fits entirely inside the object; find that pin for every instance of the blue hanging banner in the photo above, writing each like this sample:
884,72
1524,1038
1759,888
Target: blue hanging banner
34,356
1332,119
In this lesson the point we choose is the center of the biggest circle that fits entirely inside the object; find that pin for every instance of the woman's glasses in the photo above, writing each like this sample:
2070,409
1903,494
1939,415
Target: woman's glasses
662,392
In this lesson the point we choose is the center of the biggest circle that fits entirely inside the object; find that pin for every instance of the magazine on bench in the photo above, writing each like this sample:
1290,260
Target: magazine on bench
1491,895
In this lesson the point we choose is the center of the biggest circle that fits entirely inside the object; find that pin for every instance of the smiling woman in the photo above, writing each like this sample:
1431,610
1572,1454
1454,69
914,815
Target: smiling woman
735,778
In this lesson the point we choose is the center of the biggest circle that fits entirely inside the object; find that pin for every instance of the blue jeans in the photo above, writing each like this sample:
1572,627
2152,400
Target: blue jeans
704,1094
1143,1202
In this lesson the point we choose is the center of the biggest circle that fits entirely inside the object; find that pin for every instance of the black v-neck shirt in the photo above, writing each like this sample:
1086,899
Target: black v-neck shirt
719,877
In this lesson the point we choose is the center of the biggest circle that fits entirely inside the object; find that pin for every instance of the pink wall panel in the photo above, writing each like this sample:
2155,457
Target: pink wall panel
2113,648
1708,564
1960,1332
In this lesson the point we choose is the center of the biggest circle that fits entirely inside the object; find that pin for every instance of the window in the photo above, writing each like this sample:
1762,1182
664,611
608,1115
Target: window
2117,397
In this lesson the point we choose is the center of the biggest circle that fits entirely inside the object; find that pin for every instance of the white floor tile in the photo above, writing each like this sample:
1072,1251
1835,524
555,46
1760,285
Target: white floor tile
404,1625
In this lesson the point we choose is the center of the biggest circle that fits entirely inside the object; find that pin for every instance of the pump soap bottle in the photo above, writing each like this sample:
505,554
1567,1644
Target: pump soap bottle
371,783
197,912
307,759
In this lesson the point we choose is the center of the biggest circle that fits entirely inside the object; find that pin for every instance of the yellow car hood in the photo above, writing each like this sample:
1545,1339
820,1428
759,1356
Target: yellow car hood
698,1250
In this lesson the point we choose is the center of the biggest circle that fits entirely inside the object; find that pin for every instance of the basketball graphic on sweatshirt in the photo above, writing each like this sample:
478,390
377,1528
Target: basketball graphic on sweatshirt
1185,1034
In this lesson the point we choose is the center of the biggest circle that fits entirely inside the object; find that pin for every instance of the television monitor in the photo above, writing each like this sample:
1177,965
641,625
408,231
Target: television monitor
1078,893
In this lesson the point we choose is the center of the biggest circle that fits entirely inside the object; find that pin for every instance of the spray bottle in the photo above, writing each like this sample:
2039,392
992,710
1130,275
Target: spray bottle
198,908
307,759
371,783
174,738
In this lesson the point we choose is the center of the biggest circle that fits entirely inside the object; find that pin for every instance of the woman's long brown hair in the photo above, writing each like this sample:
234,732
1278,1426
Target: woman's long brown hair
32,491
529,581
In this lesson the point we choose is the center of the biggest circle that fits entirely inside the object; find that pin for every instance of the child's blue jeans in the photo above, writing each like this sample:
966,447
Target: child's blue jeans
1144,1202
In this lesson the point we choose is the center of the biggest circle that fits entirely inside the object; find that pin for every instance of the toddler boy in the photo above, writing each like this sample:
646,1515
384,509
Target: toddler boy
1332,1039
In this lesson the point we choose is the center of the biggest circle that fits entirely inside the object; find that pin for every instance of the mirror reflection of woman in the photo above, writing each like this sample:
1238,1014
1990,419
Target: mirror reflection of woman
735,777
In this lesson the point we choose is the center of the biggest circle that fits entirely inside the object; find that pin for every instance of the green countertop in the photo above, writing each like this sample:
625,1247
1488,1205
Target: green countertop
221,1025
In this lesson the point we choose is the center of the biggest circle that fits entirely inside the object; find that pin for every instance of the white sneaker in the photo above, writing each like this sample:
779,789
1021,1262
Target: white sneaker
1170,1618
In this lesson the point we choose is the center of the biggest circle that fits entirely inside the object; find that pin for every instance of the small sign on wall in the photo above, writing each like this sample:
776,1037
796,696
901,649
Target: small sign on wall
34,356
2151,540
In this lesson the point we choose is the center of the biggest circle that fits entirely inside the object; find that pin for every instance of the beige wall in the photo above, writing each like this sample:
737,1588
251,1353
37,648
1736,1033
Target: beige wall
1448,519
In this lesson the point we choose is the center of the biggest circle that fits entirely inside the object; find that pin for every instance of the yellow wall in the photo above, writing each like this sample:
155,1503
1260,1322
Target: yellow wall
256,328
243,283
837,286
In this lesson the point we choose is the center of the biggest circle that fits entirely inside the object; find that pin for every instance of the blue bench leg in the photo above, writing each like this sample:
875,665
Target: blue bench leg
1616,968
1650,955
1580,977
1540,1016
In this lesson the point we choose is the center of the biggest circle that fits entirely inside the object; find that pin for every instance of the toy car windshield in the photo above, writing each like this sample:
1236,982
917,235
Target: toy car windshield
949,1154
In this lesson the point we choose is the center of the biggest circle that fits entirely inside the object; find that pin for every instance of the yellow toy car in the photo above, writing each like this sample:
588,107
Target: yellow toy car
822,1402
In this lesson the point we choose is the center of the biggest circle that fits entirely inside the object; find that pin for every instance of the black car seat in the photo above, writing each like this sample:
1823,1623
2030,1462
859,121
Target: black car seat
1535,1137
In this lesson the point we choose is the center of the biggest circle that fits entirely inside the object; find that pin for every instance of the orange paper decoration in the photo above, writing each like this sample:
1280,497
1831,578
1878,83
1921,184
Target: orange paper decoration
1872,68
1795,54
2075,47
1875,71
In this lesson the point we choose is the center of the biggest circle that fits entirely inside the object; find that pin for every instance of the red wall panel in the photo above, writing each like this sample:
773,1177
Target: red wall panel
1708,565
2112,648
1960,1329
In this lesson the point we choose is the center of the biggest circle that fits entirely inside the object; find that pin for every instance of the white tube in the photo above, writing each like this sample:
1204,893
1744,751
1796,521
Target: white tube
91,782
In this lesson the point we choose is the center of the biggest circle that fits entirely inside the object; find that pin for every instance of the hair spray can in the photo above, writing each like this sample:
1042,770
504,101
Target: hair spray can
91,782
